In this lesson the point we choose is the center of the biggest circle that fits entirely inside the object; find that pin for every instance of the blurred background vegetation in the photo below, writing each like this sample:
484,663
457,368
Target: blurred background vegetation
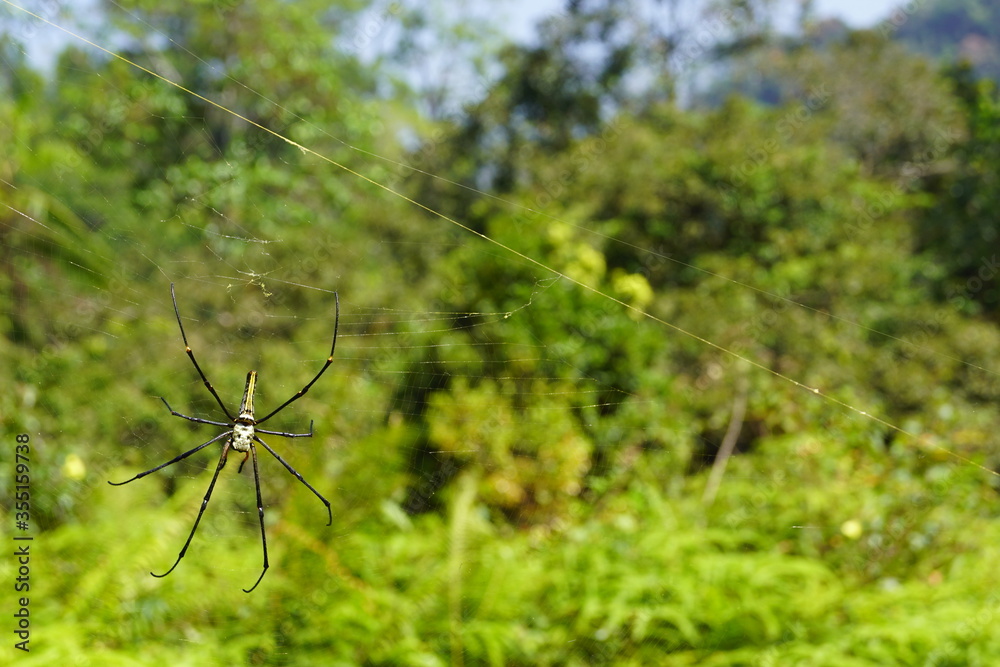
522,471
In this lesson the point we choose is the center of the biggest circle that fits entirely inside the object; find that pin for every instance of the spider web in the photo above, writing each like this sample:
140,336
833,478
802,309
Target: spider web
248,303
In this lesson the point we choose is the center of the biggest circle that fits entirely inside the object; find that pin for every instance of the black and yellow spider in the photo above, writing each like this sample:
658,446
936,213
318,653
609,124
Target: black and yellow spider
241,436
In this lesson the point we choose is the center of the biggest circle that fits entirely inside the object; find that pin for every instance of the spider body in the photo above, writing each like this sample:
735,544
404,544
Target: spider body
243,431
242,436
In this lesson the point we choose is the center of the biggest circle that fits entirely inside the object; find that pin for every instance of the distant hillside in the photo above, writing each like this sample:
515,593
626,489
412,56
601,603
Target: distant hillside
966,30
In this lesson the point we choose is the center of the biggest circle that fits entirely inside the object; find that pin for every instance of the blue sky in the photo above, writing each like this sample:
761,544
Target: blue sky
519,17
857,13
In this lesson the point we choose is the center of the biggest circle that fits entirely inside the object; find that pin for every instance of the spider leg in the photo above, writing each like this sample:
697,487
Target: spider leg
260,513
298,477
192,419
204,504
302,392
288,435
243,462
175,459
195,361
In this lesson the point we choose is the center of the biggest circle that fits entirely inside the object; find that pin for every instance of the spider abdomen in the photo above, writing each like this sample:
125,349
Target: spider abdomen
242,437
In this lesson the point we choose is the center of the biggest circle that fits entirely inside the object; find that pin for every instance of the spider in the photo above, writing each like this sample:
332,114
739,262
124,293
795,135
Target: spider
241,436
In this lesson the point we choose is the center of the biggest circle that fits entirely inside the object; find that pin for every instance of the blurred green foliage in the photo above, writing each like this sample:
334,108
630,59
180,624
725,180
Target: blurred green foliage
516,464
